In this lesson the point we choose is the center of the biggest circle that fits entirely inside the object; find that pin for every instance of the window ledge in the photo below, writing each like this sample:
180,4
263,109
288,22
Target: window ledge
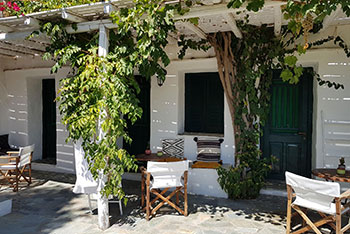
201,134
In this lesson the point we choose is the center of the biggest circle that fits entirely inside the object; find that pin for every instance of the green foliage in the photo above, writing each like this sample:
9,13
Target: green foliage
252,59
246,180
186,44
254,56
99,97
304,16
297,10
30,6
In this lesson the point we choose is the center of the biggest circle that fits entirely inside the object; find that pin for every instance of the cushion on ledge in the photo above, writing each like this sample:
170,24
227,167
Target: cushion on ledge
173,147
208,150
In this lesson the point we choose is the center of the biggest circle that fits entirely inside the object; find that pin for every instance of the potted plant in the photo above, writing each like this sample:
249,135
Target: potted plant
148,149
341,166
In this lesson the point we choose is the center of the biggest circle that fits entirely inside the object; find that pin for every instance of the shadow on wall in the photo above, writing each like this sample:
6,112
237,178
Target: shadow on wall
18,120
336,141
4,110
335,116
65,151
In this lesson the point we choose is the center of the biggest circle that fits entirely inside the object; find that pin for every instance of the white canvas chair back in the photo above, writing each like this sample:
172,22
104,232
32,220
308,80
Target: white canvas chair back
25,155
167,174
313,194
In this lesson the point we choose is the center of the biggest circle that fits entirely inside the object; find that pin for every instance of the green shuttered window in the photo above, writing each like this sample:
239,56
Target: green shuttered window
204,103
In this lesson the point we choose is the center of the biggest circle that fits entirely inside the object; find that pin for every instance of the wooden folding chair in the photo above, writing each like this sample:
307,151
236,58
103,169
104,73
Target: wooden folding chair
321,196
166,175
17,166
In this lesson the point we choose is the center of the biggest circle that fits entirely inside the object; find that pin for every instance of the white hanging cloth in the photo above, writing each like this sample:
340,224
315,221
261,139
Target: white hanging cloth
85,182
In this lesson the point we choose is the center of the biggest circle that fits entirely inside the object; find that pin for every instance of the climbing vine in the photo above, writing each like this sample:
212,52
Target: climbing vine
305,17
244,66
101,92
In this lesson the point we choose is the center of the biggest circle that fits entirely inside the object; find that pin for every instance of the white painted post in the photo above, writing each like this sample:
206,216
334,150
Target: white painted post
102,201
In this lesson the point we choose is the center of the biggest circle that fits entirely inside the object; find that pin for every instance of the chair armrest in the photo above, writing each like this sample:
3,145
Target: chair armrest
144,172
143,169
9,157
12,152
12,160
345,194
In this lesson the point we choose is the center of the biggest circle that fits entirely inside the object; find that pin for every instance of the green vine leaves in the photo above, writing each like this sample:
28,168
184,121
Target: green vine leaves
304,17
104,90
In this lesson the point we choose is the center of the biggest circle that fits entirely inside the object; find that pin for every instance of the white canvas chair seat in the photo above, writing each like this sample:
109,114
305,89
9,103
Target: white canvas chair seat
166,175
321,196
85,183
8,167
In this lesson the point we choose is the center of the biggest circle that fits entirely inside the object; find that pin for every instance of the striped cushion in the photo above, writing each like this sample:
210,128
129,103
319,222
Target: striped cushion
173,147
208,150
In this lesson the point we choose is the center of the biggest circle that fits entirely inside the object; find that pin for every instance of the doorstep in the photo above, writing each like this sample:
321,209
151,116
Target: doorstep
275,188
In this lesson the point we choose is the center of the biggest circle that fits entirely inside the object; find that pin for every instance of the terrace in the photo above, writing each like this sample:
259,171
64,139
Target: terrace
50,206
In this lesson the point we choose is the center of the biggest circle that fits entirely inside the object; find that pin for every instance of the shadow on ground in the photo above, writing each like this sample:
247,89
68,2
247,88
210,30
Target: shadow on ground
50,206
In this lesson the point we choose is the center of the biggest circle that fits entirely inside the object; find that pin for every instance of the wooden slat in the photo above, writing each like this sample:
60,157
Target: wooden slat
18,49
232,22
198,31
71,17
278,20
308,221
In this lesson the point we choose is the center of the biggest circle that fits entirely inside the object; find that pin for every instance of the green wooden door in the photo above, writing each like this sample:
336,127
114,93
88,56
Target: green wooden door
287,134
49,119
140,131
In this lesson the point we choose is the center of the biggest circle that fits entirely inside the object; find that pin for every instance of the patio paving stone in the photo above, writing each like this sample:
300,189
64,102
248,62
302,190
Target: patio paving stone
49,206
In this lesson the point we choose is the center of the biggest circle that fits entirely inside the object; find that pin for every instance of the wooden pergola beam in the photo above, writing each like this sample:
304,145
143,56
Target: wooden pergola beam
12,53
278,20
108,8
197,30
70,17
7,56
232,22
31,22
328,20
29,44
219,9
15,48
90,26
4,28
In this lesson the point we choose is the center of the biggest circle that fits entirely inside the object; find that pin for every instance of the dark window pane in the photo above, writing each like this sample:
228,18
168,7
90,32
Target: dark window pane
204,103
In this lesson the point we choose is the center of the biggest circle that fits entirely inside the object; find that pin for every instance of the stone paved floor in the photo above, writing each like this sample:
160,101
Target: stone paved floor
49,206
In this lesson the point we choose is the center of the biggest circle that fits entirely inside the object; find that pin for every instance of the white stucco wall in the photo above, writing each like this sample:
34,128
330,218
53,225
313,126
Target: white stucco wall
167,109
4,107
20,105
331,130
330,141
24,89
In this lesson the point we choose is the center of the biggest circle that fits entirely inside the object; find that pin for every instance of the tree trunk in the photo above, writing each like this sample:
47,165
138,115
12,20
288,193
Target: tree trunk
221,42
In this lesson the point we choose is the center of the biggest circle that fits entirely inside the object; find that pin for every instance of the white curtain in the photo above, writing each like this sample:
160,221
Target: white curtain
85,183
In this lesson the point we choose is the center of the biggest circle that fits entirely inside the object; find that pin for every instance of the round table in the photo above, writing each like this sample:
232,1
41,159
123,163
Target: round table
331,175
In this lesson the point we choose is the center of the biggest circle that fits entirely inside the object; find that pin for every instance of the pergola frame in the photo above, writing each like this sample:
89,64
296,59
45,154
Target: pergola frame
14,30
92,17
